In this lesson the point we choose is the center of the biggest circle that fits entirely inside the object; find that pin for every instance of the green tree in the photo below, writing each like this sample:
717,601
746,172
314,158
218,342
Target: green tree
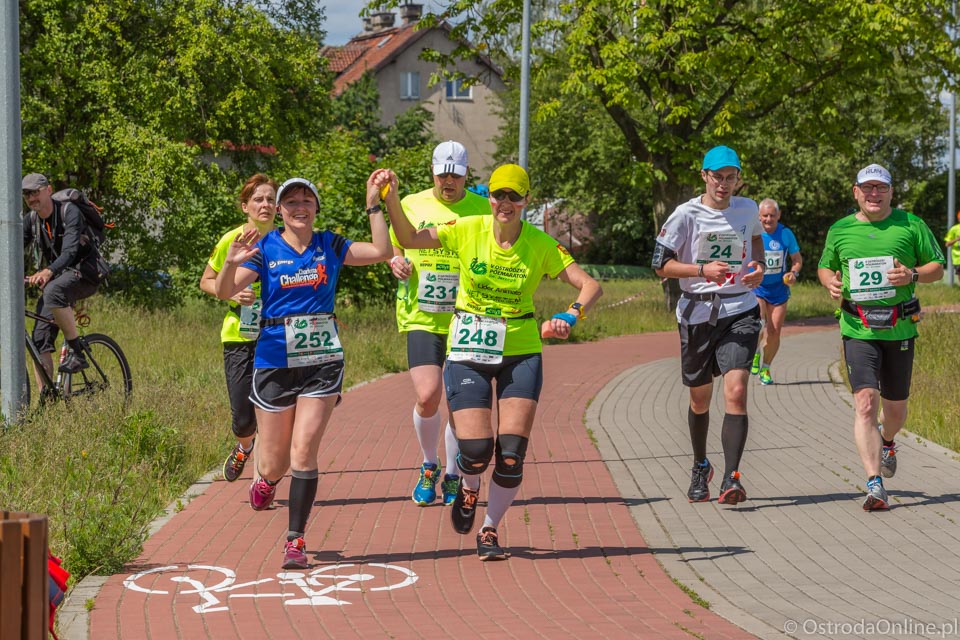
676,77
140,103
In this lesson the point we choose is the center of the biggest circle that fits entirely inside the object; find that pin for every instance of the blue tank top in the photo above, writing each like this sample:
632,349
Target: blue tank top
777,248
294,283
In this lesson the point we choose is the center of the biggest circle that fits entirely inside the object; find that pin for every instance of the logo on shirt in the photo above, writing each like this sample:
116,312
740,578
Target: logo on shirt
774,245
477,267
563,249
311,277
273,264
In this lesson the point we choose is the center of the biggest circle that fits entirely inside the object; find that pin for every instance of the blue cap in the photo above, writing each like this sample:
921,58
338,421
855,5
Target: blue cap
720,157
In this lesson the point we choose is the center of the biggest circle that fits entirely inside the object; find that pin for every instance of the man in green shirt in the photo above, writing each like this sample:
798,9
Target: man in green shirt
952,240
871,261
429,279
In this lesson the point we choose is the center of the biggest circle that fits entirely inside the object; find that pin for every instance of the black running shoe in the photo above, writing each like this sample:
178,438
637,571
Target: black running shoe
464,510
233,465
699,483
488,545
73,362
731,491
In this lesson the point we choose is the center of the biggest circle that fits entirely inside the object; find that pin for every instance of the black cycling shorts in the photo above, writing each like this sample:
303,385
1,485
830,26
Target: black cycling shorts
886,365
61,292
424,347
277,389
708,351
469,384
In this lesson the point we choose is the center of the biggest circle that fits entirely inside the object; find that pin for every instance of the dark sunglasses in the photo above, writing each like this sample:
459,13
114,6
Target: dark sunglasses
27,193
499,195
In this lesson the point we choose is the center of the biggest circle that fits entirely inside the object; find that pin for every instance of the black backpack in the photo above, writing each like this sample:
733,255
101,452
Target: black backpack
91,213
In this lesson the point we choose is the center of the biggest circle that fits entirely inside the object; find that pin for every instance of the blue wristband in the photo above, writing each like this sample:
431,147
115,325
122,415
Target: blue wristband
569,318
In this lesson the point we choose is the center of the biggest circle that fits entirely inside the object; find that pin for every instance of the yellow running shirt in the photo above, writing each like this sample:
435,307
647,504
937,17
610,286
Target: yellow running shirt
500,282
233,329
426,300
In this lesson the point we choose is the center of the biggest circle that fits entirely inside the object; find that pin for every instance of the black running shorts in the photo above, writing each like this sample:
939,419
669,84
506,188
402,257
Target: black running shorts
469,385
277,390
424,347
886,365
238,369
708,351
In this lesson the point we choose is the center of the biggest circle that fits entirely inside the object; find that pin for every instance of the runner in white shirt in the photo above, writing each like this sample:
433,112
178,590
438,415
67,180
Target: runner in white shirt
714,245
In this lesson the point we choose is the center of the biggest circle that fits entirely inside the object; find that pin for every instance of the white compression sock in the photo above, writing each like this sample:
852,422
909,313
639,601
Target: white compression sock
428,433
498,501
471,482
453,449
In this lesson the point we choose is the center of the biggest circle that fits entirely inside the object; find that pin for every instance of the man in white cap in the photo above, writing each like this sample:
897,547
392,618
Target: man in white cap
425,302
871,262
67,269
714,245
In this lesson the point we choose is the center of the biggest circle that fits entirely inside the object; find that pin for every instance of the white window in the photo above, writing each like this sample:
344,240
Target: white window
457,91
410,85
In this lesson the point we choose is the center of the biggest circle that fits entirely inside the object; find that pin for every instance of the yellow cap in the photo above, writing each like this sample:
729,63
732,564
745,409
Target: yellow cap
510,176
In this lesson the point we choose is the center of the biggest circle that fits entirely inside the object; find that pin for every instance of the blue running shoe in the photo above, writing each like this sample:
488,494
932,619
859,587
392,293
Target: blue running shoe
449,488
876,499
426,490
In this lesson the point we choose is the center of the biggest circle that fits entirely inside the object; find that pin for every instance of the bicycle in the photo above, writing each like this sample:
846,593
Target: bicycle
108,368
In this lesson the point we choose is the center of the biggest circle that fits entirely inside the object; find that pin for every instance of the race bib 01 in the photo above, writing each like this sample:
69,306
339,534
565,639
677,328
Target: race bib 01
774,260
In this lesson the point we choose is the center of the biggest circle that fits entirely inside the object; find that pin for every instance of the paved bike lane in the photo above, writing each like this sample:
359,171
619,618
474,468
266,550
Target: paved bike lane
383,567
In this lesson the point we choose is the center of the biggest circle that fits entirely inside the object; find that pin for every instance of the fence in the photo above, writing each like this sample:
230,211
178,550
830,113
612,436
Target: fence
24,584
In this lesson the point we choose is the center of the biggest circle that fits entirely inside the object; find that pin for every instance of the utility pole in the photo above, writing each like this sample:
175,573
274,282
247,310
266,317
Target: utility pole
525,89
12,356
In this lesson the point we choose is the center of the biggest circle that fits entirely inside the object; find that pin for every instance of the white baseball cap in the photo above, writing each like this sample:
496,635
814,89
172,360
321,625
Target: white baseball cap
874,172
302,182
450,157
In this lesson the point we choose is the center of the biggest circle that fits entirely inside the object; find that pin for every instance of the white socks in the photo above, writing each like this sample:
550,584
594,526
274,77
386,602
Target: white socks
428,433
452,448
499,500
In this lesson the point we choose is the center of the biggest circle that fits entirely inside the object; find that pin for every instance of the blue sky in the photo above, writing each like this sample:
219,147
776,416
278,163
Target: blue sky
343,21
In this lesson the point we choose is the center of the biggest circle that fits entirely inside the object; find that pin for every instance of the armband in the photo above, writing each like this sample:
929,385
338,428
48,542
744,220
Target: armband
374,209
569,318
662,255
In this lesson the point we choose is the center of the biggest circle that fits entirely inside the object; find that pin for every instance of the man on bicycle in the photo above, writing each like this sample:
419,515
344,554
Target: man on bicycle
66,259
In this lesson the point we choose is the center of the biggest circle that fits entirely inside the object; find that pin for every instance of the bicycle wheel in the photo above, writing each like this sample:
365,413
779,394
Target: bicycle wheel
108,370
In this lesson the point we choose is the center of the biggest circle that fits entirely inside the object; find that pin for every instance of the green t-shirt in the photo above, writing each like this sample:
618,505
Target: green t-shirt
865,251
500,282
241,324
953,234
425,301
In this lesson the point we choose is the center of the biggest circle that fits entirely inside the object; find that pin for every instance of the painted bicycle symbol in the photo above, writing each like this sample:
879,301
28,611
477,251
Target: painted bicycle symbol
314,587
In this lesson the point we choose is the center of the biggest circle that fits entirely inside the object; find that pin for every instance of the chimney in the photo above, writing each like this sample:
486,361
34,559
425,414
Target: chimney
367,25
410,13
382,20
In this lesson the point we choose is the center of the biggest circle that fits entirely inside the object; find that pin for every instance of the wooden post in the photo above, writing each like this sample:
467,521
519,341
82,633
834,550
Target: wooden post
24,583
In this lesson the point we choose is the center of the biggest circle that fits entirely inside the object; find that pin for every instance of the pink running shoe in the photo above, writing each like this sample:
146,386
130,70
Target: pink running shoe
261,494
294,556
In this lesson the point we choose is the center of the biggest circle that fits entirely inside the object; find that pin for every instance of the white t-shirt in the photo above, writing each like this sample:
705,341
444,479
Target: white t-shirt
699,234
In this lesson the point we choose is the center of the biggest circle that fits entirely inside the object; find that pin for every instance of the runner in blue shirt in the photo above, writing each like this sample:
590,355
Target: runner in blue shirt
298,366
773,293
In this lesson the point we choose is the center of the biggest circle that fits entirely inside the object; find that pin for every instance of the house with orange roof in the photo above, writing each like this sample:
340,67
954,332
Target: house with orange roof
467,114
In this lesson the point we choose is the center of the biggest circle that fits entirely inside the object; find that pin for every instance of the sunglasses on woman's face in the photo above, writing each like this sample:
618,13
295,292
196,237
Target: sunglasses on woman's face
501,194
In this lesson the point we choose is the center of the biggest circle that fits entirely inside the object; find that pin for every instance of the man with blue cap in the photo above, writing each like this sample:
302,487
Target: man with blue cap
872,261
714,245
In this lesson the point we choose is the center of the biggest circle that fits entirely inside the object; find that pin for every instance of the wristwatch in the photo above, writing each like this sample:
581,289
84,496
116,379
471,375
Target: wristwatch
916,275
374,209
579,307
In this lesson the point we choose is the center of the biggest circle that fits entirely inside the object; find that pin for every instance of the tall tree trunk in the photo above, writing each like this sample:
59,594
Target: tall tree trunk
667,194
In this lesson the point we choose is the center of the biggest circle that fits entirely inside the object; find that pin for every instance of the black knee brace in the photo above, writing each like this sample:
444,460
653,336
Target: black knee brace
510,474
475,454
